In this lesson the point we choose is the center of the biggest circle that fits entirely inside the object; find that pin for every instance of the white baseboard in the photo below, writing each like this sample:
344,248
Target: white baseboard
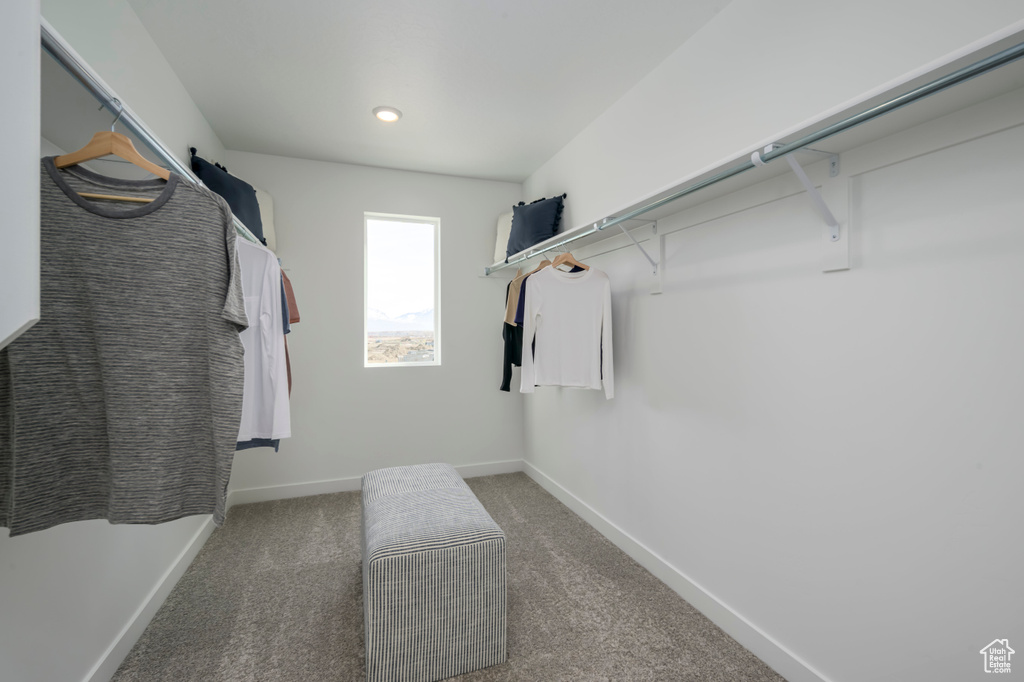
341,485
288,491
778,657
508,466
129,635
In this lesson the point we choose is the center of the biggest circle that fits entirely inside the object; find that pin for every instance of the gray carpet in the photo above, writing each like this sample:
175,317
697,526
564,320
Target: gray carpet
276,594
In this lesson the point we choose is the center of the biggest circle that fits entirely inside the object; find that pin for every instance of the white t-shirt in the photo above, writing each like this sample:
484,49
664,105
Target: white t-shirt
569,315
265,409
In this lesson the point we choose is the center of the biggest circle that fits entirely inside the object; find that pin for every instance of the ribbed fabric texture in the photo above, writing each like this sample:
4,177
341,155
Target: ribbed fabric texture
394,480
434,576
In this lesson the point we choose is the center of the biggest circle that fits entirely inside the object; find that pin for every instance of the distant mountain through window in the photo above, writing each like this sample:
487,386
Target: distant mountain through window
401,290
379,321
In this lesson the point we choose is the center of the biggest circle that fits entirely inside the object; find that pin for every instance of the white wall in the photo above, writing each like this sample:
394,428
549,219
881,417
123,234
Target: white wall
828,464
819,462
109,36
757,69
347,419
73,599
19,174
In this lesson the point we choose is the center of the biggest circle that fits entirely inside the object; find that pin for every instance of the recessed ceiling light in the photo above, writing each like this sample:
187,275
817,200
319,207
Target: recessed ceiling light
387,114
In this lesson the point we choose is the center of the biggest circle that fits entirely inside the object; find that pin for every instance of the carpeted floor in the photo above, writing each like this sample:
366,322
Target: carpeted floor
276,595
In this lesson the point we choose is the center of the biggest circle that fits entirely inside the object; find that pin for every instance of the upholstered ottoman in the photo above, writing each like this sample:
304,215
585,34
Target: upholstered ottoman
433,576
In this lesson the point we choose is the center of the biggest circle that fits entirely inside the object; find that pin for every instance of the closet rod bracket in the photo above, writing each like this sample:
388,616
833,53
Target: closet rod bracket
833,159
832,225
654,263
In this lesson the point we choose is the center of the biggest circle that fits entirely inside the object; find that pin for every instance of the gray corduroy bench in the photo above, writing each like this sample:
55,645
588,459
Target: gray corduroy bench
434,600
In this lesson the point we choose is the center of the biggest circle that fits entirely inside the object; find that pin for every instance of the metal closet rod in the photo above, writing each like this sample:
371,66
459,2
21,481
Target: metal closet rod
966,73
58,49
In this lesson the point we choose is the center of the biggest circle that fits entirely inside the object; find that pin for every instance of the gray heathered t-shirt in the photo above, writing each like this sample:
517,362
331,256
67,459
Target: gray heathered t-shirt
123,402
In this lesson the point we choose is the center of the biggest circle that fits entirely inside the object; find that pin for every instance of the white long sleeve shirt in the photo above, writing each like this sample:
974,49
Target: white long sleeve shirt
265,409
569,316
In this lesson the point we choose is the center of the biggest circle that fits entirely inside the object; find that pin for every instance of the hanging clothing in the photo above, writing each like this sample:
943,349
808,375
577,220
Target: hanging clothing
568,317
512,293
521,303
287,318
122,402
286,329
240,195
286,325
260,443
265,409
511,335
512,332
517,318
293,317
293,306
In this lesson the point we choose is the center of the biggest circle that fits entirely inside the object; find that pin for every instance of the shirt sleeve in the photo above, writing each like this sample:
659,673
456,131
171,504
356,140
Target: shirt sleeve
285,316
234,301
520,304
506,364
512,297
269,324
607,377
293,306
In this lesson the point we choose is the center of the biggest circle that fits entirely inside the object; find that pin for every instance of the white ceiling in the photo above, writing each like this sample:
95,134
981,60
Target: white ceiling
488,88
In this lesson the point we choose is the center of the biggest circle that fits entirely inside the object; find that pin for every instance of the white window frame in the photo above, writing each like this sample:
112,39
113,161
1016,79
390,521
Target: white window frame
396,217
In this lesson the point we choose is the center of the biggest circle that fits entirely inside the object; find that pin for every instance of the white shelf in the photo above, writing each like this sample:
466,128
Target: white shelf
1001,79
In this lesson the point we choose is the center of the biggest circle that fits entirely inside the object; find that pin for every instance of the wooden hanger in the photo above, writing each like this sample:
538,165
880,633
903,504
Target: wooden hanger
568,259
106,143
543,264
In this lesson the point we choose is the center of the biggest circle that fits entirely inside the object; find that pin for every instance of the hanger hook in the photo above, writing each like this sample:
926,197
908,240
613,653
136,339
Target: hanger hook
120,110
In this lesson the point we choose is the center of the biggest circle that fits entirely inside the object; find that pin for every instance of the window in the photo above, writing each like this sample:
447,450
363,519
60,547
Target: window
402,315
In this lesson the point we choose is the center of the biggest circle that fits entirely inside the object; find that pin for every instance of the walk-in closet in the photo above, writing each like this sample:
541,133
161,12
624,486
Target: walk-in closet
638,341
